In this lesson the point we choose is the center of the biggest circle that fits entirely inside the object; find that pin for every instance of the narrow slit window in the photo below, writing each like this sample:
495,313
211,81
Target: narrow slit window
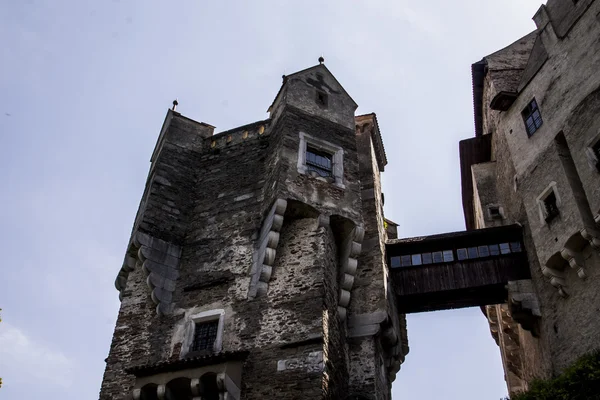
532,118
321,99
596,151
550,207
205,334
319,161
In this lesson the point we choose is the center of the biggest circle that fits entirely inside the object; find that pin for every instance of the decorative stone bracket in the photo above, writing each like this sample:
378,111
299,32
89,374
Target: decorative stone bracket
264,256
160,260
524,306
349,252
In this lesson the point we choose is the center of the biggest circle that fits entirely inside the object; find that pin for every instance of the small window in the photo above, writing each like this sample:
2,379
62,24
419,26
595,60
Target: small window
321,98
438,257
532,118
319,161
395,261
405,261
550,207
461,254
596,154
473,252
515,247
448,256
504,248
205,334
483,251
495,212
416,259
494,250
427,258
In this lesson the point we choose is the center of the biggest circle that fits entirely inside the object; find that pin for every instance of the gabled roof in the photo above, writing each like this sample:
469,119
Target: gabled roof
322,66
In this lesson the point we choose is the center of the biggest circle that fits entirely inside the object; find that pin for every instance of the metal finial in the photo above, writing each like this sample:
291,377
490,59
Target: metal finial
321,60
283,76
175,104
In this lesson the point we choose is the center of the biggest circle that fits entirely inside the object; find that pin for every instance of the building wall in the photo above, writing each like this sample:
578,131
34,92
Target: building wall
566,88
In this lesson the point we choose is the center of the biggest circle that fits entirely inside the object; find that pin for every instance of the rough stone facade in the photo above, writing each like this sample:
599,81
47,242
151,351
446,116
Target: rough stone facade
557,65
234,228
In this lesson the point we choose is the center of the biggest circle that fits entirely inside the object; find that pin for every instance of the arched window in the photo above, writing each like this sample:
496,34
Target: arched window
149,392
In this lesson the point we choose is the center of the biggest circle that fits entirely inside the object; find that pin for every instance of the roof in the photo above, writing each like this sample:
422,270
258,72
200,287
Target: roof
286,77
509,62
187,363
377,140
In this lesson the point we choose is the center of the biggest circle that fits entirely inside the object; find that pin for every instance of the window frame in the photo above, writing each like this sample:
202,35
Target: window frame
527,113
337,158
198,318
545,217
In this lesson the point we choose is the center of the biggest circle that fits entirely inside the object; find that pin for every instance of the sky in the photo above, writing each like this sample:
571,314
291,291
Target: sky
84,88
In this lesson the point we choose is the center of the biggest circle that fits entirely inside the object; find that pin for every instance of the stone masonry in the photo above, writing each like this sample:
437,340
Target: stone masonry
235,228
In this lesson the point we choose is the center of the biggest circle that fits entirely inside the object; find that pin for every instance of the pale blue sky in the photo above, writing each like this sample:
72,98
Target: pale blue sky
84,87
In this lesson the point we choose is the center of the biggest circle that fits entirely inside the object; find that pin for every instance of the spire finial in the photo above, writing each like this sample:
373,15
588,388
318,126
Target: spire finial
175,104
321,60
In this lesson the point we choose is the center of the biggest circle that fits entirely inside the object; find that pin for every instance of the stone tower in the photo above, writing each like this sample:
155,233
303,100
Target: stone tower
256,265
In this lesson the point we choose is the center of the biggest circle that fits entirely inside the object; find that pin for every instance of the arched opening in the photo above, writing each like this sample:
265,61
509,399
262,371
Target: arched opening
210,389
179,389
149,392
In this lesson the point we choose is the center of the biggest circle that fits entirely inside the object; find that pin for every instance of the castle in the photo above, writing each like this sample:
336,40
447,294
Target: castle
261,265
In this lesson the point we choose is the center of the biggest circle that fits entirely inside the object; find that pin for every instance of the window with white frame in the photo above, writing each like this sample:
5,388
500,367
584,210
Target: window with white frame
204,332
549,203
321,159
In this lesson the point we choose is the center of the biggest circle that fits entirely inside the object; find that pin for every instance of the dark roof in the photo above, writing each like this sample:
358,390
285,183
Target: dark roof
509,63
472,151
187,363
378,141
286,77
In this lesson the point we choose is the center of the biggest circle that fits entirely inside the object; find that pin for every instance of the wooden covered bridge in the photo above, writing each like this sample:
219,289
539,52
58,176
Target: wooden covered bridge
454,270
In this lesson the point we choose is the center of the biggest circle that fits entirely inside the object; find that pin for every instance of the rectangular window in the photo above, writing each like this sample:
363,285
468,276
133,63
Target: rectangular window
532,118
461,254
448,256
395,261
473,252
205,334
504,248
427,258
416,259
596,152
495,212
483,251
550,207
494,250
515,247
319,162
437,257
405,261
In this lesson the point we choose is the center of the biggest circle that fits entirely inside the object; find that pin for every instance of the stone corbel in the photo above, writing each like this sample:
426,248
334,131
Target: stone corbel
524,306
264,256
161,391
575,260
349,262
228,390
137,394
195,389
557,279
592,235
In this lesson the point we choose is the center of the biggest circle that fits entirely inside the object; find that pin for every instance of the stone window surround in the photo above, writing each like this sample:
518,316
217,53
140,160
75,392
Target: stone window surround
491,216
592,156
551,188
204,316
337,158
